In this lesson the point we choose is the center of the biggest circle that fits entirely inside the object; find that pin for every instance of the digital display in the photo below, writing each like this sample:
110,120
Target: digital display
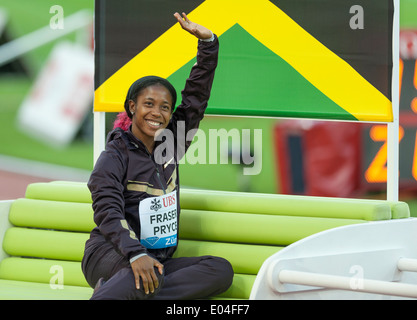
375,136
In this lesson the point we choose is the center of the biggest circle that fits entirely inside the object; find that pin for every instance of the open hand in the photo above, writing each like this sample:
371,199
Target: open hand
195,29
144,268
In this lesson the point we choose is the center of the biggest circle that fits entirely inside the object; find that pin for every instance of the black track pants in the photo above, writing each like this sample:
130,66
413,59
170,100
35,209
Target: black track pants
183,278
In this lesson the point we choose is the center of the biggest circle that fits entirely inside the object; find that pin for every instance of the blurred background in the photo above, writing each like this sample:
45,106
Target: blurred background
46,123
30,33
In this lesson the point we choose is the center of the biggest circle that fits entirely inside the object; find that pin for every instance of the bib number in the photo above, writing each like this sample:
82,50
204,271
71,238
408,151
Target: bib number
158,221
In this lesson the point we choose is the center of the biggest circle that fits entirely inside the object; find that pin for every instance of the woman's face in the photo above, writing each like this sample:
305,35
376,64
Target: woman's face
151,112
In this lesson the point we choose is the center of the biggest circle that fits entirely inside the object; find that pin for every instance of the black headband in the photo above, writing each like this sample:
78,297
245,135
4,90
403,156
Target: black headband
145,82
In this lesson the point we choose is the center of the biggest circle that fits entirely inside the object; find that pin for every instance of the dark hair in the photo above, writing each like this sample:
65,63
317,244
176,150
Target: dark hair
145,82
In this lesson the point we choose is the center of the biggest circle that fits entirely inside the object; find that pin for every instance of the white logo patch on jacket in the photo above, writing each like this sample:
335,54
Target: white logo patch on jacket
158,221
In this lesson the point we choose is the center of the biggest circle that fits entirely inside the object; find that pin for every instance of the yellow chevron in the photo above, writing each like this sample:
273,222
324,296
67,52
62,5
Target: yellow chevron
164,56
273,28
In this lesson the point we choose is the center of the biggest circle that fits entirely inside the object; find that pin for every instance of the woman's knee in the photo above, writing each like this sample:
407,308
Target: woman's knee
122,286
224,272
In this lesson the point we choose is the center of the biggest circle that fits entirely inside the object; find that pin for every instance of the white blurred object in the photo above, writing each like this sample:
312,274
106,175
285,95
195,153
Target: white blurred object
15,48
408,44
61,96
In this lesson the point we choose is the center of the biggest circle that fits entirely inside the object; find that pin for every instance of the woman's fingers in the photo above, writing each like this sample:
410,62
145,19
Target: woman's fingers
183,23
150,281
137,280
195,29
148,284
154,281
143,268
159,266
186,18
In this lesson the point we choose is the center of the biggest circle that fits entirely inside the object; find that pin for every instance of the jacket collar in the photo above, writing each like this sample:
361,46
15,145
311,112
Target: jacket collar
135,143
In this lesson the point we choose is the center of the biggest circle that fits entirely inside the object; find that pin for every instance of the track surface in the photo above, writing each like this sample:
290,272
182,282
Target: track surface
14,185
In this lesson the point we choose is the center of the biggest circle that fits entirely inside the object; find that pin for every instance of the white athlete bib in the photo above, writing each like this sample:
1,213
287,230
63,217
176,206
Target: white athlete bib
158,221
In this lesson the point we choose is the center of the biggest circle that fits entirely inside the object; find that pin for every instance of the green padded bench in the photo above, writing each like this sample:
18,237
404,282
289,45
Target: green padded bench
43,234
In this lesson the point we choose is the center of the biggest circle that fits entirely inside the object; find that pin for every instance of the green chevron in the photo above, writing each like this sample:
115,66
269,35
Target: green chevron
253,80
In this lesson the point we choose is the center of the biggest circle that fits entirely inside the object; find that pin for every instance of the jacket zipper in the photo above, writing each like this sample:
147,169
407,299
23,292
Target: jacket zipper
156,167
157,173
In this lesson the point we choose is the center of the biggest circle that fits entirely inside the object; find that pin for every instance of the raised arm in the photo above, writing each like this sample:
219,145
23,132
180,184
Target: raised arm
196,92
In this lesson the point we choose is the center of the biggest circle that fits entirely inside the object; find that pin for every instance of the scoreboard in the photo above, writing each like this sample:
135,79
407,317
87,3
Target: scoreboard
374,139
346,159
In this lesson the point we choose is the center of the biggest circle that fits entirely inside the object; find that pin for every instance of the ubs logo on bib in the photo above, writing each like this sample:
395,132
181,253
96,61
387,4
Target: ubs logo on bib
169,200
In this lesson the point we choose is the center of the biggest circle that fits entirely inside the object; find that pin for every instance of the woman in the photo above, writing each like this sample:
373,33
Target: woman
135,196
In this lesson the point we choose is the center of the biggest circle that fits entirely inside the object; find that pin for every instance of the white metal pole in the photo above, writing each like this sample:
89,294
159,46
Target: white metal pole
393,127
405,264
348,283
99,139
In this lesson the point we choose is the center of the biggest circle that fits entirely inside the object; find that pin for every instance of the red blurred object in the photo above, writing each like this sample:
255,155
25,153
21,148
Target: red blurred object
318,158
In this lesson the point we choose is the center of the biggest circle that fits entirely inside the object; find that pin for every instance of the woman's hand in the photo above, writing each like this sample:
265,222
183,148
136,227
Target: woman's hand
195,29
144,268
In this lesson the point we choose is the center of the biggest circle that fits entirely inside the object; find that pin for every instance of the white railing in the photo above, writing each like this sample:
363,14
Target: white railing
358,285
405,264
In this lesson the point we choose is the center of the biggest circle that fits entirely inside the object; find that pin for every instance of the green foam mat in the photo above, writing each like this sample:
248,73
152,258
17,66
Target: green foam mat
21,290
213,200
59,191
54,272
240,288
244,258
71,216
48,244
290,205
253,228
399,210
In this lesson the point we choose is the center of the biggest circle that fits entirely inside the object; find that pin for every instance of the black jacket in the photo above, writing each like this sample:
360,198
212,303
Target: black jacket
126,173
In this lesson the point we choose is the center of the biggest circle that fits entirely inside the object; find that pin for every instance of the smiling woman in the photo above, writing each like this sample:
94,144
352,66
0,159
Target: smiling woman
136,198
149,104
